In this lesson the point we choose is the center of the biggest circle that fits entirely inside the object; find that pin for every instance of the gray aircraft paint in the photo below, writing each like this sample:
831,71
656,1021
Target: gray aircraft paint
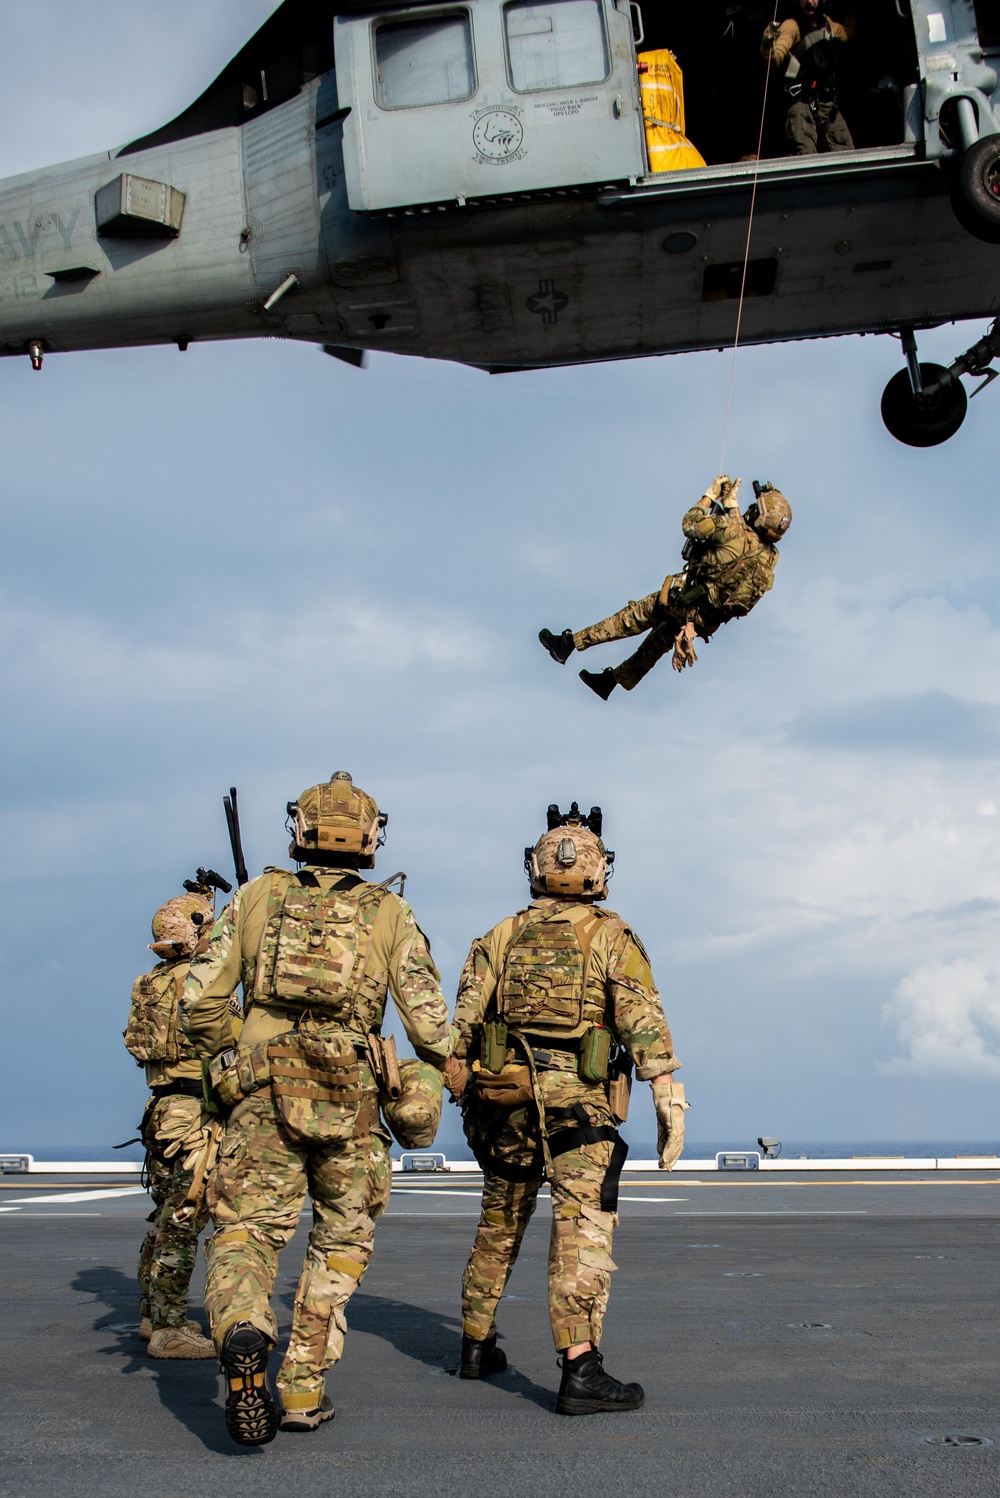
565,272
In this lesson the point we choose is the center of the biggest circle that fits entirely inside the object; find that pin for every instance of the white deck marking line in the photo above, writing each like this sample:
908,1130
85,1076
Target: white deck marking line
435,1191
653,1198
76,1196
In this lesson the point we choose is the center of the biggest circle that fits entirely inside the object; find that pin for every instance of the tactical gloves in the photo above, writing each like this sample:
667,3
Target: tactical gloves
668,1099
772,31
723,491
456,1076
684,652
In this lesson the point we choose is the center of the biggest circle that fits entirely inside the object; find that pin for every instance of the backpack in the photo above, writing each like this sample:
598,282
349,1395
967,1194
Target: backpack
153,1032
315,945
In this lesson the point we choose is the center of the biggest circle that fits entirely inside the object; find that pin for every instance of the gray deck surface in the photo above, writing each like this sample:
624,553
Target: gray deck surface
716,1276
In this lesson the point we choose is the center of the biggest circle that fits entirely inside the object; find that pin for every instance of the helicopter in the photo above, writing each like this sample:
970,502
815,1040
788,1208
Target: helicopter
470,180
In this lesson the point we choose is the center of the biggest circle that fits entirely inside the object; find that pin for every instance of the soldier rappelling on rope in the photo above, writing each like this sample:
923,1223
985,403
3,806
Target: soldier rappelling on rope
729,565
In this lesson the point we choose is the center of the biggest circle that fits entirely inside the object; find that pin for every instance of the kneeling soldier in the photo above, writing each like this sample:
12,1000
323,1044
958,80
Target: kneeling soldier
730,560
173,1126
555,1007
316,952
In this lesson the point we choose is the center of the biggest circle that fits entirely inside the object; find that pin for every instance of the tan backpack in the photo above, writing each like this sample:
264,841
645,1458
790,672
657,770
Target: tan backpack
315,946
153,1032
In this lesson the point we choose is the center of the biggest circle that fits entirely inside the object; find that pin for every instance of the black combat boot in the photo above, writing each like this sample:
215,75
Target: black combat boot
560,647
601,682
587,1390
481,1359
251,1414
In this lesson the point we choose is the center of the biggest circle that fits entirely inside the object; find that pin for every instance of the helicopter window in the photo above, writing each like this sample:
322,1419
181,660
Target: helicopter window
424,62
558,44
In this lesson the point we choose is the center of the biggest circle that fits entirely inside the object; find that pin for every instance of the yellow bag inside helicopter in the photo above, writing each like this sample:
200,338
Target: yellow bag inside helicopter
662,86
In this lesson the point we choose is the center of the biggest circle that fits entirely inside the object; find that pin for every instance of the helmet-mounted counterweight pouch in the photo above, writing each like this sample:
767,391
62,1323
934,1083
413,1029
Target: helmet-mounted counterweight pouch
570,860
336,822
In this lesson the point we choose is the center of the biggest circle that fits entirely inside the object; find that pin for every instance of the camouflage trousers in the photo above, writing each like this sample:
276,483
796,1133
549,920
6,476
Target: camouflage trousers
584,1201
256,1195
168,1254
634,619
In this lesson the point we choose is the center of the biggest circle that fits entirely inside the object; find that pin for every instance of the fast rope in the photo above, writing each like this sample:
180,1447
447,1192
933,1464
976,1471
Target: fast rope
746,253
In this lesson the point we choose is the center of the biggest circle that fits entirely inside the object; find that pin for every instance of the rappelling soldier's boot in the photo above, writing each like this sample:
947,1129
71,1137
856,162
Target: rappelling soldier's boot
481,1359
587,1390
303,1421
601,682
251,1414
187,1341
560,647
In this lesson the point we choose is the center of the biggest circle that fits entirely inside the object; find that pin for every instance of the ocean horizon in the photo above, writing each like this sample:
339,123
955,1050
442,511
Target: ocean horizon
643,1149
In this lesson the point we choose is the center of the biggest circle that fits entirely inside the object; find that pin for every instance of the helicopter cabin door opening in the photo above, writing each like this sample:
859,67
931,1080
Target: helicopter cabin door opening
717,46
501,97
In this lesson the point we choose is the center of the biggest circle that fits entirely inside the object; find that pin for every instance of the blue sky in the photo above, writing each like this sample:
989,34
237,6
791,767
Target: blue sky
250,563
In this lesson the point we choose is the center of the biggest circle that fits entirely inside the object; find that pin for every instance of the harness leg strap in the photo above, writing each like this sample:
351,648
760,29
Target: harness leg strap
564,1140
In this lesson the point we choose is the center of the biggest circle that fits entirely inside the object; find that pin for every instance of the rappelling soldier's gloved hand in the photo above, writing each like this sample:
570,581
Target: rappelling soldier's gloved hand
731,498
456,1076
668,1099
684,652
716,489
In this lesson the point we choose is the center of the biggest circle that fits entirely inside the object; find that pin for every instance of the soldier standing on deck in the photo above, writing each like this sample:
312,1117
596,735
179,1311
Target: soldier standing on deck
729,565
555,1007
173,1126
316,952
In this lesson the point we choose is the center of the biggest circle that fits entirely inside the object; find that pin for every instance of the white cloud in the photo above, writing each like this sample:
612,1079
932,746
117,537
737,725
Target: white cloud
947,1017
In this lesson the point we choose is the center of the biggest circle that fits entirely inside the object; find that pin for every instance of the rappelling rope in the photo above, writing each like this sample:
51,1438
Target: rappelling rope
746,253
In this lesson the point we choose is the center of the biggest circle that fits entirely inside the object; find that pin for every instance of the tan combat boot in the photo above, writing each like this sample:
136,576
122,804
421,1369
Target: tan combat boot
146,1328
184,1341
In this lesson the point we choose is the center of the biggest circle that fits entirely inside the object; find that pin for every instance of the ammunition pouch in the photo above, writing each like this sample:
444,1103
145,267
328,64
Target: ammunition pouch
619,1094
385,1066
234,1075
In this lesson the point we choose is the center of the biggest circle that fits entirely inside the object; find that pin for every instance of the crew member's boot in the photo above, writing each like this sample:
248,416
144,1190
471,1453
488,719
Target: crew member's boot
187,1341
587,1390
560,647
601,682
146,1329
251,1414
303,1421
481,1359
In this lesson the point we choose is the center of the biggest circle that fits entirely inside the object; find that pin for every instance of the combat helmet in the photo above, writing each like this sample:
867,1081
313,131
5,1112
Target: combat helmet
179,925
414,1116
336,823
569,858
770,514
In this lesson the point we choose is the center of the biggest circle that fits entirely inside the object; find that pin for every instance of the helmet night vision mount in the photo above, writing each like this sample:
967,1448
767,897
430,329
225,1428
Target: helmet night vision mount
570,860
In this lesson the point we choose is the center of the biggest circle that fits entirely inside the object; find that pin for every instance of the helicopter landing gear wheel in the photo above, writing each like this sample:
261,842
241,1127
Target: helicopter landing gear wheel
975,189
923,420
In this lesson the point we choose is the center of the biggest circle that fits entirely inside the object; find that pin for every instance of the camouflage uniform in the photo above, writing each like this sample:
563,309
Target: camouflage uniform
172,1124
510,1144
732,572
263,1174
